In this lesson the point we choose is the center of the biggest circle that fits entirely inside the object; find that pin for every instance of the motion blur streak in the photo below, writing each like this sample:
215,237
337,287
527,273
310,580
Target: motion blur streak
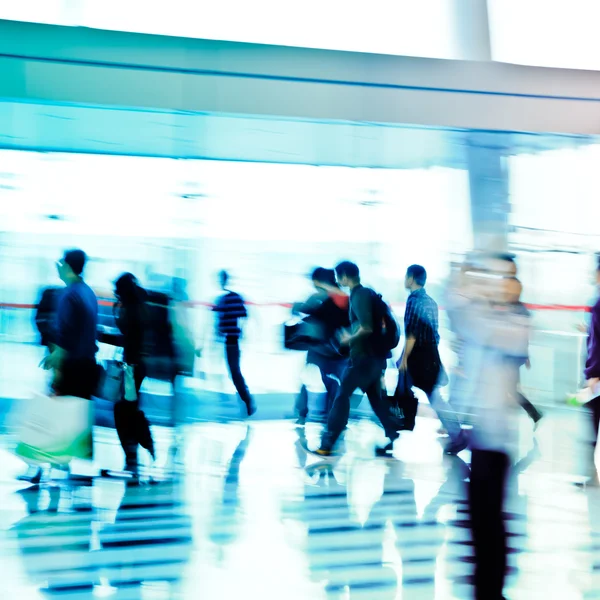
212,249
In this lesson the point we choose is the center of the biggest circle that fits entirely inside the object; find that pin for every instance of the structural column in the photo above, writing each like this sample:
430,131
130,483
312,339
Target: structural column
489,191
471,29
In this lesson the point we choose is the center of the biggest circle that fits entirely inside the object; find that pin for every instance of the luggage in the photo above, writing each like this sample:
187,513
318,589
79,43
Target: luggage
404,403
55,429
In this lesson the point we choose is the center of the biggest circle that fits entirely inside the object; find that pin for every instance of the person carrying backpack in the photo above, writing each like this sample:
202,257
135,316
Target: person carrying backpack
374,333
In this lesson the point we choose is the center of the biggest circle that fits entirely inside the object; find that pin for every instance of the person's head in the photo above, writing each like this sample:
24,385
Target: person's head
504,263
223,279
513,288
347,274
71,265
127,289
323,279
416,277
500,270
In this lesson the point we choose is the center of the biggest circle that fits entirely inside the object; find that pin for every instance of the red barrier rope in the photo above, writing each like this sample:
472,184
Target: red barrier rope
553,307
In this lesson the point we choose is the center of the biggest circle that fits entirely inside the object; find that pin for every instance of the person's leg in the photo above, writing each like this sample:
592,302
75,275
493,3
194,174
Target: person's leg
534,414
143,435
233,355
340,411
380,407
446,415
486,497
331,381
301,407
125,422
594,408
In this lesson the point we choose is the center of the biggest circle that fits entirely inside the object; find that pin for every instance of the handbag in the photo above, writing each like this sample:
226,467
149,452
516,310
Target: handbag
301,334
111,383
404,403
55,429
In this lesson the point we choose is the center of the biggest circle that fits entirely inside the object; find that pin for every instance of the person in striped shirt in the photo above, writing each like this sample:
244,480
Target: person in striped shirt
230,308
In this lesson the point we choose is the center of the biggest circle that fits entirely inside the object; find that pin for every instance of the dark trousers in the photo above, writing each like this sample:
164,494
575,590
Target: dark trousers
131,423
425,368
328,368
77,377
233,355
594,407
364,373
489,472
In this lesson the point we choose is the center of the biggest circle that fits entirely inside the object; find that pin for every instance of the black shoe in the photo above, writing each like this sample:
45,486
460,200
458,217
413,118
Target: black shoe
33,476
386,450
251,407
536,420
300,421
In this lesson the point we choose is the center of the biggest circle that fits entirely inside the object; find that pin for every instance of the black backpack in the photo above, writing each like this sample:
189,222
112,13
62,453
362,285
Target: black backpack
386,332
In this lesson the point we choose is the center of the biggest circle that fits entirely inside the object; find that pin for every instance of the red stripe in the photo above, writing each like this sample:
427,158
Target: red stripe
555,307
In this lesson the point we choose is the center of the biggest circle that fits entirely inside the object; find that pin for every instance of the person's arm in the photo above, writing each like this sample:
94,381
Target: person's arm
592,365
64,320
411,322
362,305
310,306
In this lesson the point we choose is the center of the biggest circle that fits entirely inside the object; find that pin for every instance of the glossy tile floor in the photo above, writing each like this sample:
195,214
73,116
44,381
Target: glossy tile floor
252,515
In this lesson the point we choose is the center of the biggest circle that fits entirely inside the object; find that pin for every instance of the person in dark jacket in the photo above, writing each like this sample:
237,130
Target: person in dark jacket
592,369
73,355
131,318
328,311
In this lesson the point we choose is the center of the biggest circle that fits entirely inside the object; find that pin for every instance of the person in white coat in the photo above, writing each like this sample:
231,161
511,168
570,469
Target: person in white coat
497,335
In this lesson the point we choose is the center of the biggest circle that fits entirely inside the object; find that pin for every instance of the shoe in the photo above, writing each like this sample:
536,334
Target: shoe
537,419
251,408
323,452
300,421
456,446
33,476
386,450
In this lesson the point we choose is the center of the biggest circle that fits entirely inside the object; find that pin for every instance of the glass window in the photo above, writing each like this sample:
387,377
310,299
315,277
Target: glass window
268,224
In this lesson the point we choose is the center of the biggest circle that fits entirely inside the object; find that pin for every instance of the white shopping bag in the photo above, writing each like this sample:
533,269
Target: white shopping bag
55,429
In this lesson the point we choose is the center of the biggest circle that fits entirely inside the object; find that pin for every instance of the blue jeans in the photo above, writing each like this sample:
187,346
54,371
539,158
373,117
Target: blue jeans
331,374
364,373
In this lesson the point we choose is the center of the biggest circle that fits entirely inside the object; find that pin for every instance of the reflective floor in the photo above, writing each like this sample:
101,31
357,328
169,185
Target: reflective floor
252,515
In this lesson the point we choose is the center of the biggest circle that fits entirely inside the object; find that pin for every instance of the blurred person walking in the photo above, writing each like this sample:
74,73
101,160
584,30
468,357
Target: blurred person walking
73,355
328,311
500,336
592,373
514,290
131,316
370,323
72,339
421,357
230,308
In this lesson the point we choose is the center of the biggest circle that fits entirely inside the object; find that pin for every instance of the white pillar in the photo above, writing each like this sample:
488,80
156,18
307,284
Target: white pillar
472,30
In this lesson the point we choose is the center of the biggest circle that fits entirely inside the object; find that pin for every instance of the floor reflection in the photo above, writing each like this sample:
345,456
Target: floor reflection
254,513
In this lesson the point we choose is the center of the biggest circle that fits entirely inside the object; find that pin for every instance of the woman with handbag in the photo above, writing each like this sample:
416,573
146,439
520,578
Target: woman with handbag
131,316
